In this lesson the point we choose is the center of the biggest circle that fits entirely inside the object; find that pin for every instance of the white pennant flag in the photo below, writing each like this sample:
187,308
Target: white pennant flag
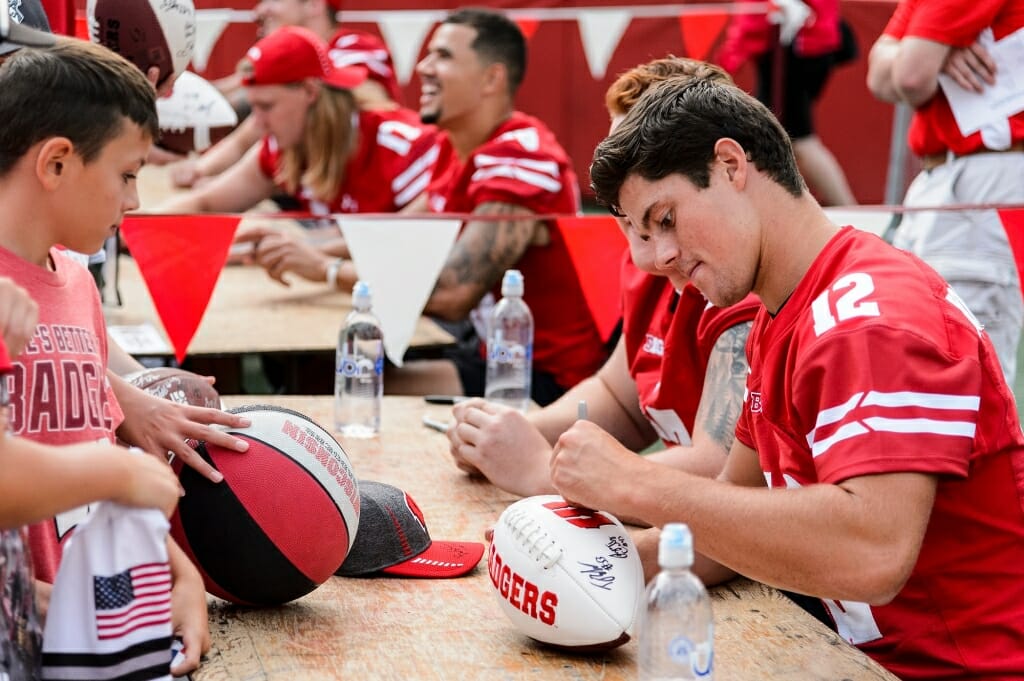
404,32
210,23
400,260
600,31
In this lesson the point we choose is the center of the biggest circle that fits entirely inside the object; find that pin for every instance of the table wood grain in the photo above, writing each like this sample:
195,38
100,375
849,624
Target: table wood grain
390,628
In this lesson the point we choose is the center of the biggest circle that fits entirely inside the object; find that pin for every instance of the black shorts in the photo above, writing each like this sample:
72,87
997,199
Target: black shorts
803,79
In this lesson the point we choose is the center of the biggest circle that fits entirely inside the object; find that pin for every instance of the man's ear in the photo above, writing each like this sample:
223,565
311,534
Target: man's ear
733,159
52,161
495,78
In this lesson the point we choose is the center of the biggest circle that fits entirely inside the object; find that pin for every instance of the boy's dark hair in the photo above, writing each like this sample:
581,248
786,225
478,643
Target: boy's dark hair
74,89
673,129
625,92
498,39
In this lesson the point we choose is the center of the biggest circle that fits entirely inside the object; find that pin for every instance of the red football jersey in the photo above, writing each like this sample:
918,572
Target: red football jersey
523,164
874,365
951,22
58,385
669,336
391,166
356,48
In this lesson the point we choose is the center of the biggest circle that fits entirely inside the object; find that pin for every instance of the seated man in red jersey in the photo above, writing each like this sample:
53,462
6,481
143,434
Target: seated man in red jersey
495,161
346,47
318,146
878,453
677,372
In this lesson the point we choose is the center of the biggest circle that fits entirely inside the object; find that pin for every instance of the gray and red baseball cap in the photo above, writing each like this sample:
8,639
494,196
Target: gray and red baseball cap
392,539
23,23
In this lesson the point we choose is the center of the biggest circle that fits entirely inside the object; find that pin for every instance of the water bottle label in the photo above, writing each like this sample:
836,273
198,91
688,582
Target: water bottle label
698,657
360,367
510,353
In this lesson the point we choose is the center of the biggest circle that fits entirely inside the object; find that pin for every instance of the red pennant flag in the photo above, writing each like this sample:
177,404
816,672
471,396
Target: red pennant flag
528,26
1013,223
595,244
180,258
700,33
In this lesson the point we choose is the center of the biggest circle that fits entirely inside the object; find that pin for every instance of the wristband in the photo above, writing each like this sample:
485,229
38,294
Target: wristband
332,273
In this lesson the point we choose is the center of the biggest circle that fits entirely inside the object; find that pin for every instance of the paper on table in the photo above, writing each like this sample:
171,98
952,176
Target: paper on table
139,339
400,260
974,111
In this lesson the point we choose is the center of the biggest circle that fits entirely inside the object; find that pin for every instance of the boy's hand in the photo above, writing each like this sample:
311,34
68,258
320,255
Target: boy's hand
188,610
149,483
18,316
161,427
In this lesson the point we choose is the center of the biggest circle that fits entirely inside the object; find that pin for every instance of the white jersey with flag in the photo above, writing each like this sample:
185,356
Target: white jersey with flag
110,611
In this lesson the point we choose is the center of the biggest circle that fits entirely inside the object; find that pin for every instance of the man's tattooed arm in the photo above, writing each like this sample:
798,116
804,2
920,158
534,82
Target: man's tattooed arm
724,380
484,250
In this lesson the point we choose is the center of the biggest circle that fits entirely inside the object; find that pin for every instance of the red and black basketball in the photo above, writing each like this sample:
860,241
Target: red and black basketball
284,518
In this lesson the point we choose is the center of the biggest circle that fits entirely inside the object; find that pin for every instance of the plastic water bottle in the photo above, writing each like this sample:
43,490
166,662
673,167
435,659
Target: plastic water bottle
359,369
676,629
510,346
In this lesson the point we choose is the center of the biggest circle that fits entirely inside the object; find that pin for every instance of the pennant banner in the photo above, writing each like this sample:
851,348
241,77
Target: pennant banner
210,24
701,32
180,258
595,244
400,260
1013,223
404,33
528,25
600,31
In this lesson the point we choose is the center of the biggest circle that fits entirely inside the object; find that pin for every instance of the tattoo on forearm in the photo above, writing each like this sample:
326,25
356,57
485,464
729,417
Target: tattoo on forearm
722,397
486,248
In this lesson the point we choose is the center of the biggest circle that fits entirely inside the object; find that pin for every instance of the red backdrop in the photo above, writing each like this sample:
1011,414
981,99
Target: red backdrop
561,91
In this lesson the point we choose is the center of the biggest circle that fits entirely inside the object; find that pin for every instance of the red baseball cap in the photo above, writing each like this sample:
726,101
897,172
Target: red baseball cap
392,539
291,54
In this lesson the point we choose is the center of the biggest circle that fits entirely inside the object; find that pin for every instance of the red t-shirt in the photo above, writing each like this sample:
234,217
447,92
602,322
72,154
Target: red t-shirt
356,48
933,129
390,167
58,387
875,366
523,164
669,336
751,35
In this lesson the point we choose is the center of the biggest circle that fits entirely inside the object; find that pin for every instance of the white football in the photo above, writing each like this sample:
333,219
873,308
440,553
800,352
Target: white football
566,576
194,116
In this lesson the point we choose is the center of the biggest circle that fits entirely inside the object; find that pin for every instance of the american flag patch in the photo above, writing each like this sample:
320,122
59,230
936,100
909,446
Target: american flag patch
133,599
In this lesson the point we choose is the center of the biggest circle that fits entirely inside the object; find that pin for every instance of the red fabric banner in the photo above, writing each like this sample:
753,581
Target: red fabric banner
1013,223
595,244
180,258
701,33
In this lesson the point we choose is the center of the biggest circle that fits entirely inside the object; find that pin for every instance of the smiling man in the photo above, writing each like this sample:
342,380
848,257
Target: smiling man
504,166
878,458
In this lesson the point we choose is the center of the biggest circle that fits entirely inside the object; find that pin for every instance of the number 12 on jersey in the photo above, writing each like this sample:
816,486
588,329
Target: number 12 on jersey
851,291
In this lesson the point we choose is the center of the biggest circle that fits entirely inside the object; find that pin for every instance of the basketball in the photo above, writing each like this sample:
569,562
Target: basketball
283,519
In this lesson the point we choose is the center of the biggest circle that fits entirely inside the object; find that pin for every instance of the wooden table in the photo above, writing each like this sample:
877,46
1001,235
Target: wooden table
250,314
387,628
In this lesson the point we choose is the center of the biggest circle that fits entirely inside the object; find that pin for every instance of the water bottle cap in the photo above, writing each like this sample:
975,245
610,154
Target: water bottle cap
361,294
512,283
675,546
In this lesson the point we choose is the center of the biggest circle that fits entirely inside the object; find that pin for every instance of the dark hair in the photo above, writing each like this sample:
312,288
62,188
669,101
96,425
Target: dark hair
623,94
498,39
74,89
673,129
